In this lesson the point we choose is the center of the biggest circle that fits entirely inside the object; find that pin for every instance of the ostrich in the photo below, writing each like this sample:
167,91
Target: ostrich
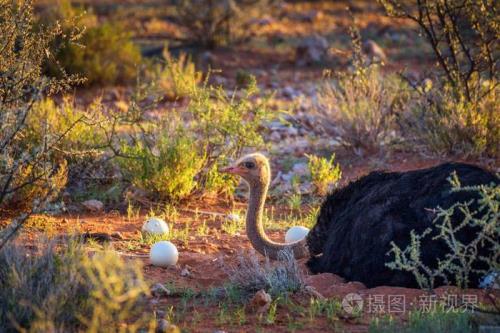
356,224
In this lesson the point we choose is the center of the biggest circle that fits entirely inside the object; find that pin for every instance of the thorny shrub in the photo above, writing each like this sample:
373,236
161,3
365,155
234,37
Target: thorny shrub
460,113
213,23
178,77
167,170
216,126
60,288
459,261
29,172
104,54
361,104
324,173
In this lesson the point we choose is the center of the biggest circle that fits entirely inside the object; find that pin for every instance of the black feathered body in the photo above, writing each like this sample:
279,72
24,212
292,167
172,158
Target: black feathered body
357,223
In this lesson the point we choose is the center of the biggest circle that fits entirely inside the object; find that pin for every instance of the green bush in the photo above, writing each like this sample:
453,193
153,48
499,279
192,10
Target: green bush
28,170
179,77
324,173
437,321
459,261
460,115
362,103
105,53
68,291
173,164
214,23
167,170
74,126
225,124
443,123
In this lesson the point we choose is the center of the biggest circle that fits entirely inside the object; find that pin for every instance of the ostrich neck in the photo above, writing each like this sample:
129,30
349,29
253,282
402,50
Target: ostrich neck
255,227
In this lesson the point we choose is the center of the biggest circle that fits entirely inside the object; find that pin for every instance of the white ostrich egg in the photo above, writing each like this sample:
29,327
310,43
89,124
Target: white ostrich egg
163,254
296,233
156,226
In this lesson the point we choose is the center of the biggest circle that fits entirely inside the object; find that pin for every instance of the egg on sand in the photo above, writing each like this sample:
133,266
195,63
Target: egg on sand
155,226
296,233
163,254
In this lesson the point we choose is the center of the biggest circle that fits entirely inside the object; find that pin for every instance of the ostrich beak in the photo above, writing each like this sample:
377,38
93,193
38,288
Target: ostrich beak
234,170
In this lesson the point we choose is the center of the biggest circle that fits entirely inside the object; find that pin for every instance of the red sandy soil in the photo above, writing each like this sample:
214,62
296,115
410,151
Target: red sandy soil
205,257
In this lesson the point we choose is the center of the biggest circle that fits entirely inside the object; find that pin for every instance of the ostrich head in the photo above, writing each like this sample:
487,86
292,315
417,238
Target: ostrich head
254,169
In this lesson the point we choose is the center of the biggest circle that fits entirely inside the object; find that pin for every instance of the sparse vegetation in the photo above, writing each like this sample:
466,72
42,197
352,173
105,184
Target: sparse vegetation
65,290
166,170
188,157
461,260
105,53
457,114
439,320
30,176
324,173
178,78
251,276
363,102
215,23
231,226
84,151
443,123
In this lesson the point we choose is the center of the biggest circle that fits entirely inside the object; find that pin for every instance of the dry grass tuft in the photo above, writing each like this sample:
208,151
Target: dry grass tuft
250,276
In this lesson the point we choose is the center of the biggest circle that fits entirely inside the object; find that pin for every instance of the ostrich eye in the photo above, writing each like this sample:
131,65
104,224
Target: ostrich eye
249,165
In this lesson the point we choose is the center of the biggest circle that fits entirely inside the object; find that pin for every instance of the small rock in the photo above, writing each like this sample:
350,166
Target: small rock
307,16
164,326
300,147
292,131
300,169
135,194
159,290
219,331
261,301
66,197
207,60
287,177
289,92
275,125
313,292
117,235
374,51
275,136
219,80
306,188
93,205
311,50
396,37
185,272
262,21
97,236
